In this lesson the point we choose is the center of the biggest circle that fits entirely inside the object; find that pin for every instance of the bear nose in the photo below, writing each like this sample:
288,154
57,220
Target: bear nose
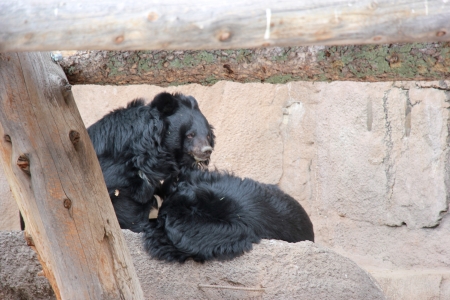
206,149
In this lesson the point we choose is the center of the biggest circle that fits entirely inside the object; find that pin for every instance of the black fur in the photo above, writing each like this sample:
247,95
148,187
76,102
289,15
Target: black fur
140,145
209,215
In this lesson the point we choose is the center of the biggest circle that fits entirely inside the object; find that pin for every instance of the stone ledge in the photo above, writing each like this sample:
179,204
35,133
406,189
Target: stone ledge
272,270
414,284
275,269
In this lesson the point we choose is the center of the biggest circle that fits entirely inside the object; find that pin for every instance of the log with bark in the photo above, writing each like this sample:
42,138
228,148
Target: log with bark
429,61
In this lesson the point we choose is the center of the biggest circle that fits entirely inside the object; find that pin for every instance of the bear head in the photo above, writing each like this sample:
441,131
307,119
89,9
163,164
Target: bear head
188,135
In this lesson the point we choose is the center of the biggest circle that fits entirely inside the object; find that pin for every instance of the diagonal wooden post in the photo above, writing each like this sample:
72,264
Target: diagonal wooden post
57,182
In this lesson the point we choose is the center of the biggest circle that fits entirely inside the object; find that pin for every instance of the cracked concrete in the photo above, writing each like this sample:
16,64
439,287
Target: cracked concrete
368,161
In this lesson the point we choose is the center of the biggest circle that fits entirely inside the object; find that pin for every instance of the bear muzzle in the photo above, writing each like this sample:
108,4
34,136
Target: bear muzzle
202,154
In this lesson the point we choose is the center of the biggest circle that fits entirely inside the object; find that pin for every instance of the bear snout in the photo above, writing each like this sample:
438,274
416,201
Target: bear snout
202,153
207,150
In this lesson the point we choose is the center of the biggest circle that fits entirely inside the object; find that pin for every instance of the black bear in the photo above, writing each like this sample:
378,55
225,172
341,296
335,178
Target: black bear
209,215
142,144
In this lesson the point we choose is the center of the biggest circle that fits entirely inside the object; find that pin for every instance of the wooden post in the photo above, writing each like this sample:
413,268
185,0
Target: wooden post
57,182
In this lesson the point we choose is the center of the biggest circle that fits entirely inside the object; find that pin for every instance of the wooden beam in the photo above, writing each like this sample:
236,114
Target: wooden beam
428,61
57,182
27,25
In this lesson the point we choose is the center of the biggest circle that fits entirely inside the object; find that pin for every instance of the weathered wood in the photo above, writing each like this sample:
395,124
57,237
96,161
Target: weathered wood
58,184
27,25
271,65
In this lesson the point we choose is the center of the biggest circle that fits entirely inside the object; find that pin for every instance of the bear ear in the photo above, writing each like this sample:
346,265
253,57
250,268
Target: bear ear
166,103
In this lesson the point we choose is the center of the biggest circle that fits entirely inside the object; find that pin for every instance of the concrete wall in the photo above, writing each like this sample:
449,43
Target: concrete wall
368,161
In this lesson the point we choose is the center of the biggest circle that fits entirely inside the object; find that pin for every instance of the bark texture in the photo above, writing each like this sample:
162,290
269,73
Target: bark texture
430,61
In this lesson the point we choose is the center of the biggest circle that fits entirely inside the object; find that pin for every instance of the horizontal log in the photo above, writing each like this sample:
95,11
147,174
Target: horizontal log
271,65
27,25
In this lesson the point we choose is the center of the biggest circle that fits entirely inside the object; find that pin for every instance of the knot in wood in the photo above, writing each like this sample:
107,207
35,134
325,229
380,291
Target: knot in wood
228,69
224,35
152,16
24,163
373,5
74,137
66,90
67,203
393,59
29,239
119,39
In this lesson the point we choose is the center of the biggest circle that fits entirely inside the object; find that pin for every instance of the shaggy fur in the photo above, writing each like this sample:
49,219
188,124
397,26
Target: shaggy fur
209,215
140,145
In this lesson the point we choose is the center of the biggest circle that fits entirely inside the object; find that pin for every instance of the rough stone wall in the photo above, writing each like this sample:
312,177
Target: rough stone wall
368,161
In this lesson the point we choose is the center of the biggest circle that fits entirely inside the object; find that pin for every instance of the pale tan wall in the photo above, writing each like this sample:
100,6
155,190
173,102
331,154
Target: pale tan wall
368,161
9,212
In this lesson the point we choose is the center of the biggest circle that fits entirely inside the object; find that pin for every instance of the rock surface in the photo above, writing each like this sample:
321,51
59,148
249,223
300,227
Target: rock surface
368,161
423,284
272,270
19,268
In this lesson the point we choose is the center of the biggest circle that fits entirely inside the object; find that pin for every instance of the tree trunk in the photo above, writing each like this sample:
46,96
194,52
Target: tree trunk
272,65
27,25
57,182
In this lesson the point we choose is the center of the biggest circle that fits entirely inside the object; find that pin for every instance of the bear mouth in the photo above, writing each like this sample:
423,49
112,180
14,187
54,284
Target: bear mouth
200,156
200,159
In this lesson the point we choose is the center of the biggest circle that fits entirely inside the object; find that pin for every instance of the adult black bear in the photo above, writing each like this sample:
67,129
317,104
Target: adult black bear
210,215
140,145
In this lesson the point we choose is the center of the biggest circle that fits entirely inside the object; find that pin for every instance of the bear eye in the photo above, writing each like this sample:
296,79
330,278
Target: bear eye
190,135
